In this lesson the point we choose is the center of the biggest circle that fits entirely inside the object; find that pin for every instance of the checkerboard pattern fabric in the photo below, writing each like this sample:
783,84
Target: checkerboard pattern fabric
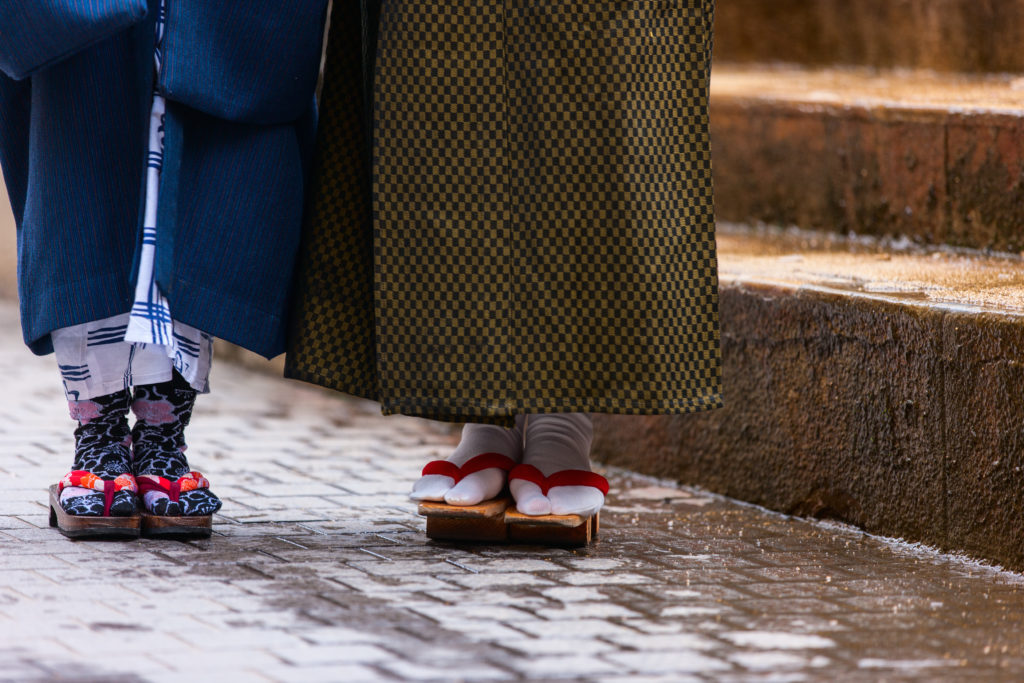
543,234
331,328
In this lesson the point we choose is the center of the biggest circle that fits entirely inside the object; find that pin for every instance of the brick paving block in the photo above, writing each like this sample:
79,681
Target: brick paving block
14,527
311,655
601,610
553,667
655,643
567,594
242,675
275,503
772,661
602,579
407,567
215,664
279,517
321,674
768,640
458,611
489,596
582,628
787,606
692,611
533,647
593,563
337,635
680,661
410,671
513,565
499,580
485,631
404,586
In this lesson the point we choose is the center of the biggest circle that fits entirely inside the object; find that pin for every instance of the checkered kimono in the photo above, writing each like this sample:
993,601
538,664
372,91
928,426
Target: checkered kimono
542,236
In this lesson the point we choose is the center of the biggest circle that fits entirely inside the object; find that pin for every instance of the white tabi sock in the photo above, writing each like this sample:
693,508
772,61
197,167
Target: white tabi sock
474,488
555,443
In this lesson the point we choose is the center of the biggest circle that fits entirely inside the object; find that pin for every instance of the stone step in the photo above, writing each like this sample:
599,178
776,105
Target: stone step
881,387
937,158
944,35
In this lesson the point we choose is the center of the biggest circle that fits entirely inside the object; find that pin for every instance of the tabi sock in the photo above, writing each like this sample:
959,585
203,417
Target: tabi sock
162,413
102,448
477,439
555,443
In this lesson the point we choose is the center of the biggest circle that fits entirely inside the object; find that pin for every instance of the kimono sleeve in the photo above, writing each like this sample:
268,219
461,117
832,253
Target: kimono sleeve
37,33
248,62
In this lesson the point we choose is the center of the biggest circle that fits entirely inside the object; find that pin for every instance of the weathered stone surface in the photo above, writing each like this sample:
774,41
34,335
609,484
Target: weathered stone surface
984,433
830,411
882,389
986,180
948,35
941,163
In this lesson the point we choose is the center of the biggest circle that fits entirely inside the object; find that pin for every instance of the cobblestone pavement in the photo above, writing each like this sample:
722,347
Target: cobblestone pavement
319,571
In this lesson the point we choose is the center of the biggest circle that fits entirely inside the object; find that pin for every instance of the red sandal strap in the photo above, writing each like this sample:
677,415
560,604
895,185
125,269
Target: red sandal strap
88,480
562,478
484,461
173,489
442,467
529,473
579,478
108,487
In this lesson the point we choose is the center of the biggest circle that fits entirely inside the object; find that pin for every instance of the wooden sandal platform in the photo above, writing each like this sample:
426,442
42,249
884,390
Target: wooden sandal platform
563,530
483,522
83,526
156,526
497,521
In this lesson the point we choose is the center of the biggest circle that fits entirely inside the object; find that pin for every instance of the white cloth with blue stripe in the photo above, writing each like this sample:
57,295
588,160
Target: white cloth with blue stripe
145,345
95,360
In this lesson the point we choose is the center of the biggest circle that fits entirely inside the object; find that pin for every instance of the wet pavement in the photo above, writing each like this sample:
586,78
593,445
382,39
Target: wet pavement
319,571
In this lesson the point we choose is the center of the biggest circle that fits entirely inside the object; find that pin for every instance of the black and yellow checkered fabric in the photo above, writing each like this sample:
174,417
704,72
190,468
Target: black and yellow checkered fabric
542,233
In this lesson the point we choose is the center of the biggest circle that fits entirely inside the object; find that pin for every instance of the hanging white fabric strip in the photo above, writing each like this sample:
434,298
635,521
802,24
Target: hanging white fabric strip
150,321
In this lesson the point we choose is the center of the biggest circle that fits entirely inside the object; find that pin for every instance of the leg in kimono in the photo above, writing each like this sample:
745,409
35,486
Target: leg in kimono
99,370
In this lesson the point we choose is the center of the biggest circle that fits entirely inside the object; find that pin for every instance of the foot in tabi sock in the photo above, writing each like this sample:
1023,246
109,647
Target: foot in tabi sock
555,476
101,481
168,486
477,470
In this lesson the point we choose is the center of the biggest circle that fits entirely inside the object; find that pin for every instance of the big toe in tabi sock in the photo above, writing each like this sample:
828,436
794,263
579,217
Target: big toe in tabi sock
477,470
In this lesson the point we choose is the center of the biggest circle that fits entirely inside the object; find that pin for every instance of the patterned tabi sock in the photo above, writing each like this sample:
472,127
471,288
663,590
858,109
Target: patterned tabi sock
103,450
557,444
494,443
162,412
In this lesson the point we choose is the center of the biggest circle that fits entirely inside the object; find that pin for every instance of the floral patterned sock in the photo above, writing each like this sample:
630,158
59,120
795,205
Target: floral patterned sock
102,448
162,412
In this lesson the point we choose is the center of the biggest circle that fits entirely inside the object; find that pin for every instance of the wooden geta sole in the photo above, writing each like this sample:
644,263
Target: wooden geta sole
497,521
193,527
81,526
567,530
483,522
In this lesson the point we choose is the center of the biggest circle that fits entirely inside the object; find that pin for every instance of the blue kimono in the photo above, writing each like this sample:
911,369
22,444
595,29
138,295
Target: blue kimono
76,84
